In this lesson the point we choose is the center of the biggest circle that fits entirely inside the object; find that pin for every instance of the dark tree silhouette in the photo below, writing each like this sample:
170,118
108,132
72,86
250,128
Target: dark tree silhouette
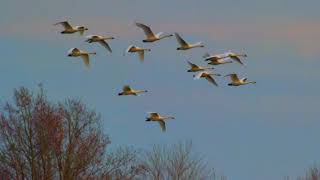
43,140
177,162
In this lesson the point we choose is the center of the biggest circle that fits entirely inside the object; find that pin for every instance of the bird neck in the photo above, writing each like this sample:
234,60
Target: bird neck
165,36
140,91
197,45
168,117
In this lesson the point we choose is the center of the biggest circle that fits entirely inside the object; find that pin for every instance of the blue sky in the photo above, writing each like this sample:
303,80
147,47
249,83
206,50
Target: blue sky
264,131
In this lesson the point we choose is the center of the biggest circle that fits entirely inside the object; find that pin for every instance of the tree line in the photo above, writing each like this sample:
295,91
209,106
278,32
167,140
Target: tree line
40,139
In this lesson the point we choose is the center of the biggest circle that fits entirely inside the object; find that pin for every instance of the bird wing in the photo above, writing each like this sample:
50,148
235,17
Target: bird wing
81,32
192,65
141,55
154,114
244,79
126,88
236,58
210,79
206,55
234,78
129,48
86,61
146,29
91,36
180,40
198,76
162,125
65,24
106,45
73,50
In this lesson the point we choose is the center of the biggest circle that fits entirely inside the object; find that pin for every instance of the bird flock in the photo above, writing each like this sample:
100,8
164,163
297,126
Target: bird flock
150,37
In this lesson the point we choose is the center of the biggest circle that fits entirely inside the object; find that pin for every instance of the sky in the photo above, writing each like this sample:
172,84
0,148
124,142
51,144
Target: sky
263,131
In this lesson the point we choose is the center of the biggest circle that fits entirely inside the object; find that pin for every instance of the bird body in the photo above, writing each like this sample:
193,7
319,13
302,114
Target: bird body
140,51
75,52
196,68
235,81
185,45
101,40
208,76
150,36
216,59
68,29
235,56
127,90
153,116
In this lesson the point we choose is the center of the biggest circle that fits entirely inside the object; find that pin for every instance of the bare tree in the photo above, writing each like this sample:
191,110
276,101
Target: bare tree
176,163
312,174
42,140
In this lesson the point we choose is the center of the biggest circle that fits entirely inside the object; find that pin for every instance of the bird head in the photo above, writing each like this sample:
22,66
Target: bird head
148,119
178,48
82,28
120,94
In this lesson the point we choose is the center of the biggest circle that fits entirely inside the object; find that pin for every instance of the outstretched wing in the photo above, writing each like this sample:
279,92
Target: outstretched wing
154,114
146,29
198,76
162,125
180,40
206,55
141,55
129,48
106,45
65,24
192,65
236,58
234,77
73,50
81,32
86,61
211,80
126,88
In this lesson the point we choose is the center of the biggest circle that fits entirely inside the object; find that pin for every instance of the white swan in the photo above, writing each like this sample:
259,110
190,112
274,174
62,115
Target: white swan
208,76
235,81
216,59
68,29
184,45
126,90
235,56
150,36
153,116
75,52
135,49
101,40
196,68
